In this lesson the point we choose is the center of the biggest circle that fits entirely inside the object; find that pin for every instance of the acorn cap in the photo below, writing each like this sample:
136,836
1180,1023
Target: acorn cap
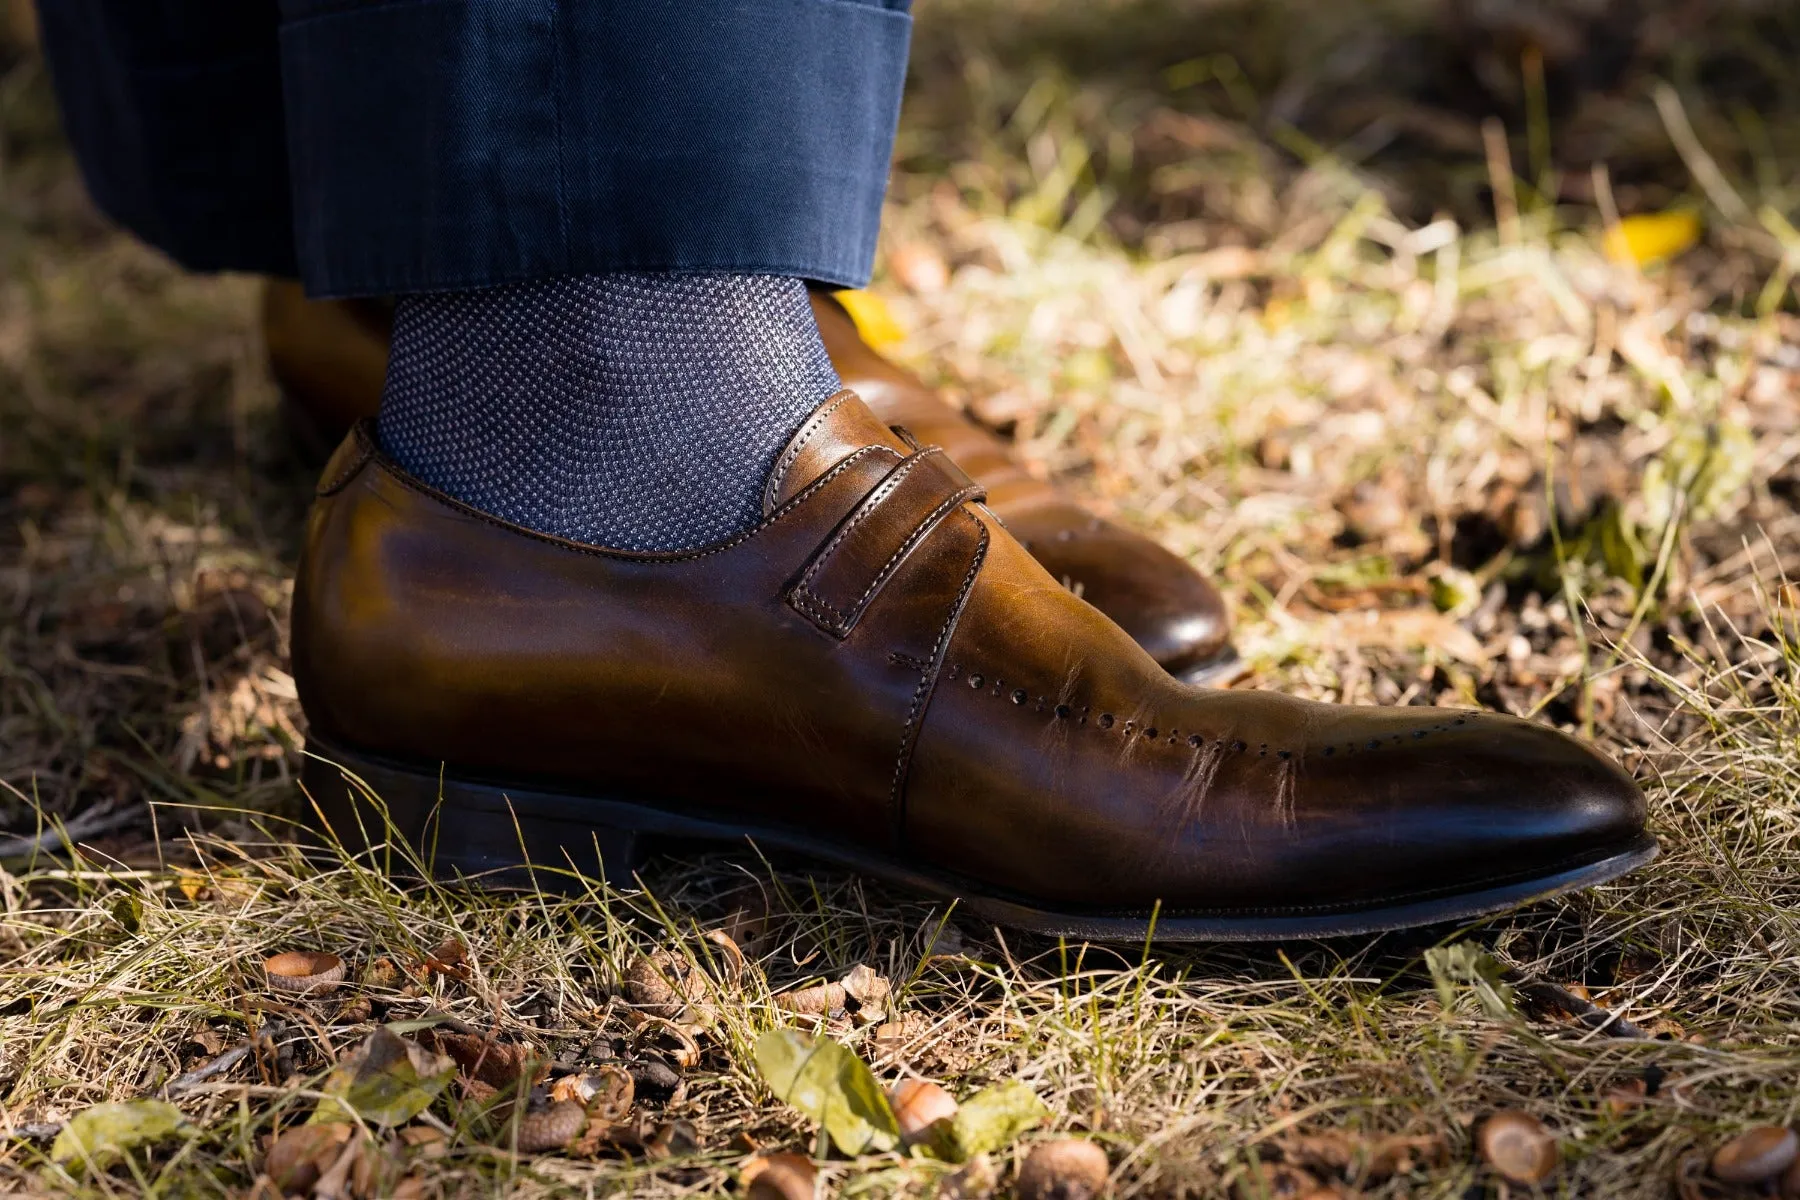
1517,1145
306,972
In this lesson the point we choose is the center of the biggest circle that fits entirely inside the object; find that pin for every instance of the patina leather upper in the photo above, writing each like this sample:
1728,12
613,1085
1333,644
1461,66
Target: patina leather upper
1168,607
330,358
880,662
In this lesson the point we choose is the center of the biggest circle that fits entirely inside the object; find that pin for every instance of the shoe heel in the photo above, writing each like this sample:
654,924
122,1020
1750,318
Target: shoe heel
418,823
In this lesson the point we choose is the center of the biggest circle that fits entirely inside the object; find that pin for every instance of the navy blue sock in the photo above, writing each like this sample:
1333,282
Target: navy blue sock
637,412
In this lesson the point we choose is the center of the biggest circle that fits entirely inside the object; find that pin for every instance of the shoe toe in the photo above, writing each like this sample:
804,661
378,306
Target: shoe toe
1416,800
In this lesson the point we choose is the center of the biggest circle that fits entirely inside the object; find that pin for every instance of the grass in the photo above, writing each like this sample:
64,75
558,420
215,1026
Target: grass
1263,279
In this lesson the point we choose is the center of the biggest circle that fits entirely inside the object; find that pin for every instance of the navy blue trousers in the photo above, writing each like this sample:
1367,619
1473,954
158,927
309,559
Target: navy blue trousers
381,146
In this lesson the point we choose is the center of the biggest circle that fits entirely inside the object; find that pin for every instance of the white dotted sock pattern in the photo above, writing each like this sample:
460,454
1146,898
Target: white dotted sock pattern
636,412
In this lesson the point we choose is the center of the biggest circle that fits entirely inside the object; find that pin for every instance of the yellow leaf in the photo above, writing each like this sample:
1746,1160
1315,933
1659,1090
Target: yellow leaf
1651,237
873,320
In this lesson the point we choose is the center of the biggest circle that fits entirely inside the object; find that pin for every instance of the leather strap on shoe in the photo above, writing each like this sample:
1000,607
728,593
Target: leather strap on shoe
862,553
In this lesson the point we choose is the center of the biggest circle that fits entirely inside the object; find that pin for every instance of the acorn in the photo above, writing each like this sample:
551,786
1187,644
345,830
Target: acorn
1756,1154
1518,1146
304,972
663,984
1064,1169
918,1106
553,1128
780,1177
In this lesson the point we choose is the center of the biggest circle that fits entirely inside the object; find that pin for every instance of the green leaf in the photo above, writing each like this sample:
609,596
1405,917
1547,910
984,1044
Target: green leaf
387,1080
128,911
993,1117
1466,965
104,1133
1455,592
832,1086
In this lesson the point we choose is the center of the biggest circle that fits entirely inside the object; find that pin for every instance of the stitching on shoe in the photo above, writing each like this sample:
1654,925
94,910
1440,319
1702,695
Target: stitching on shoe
864,509
841,622
791,455
342,479
815,608
644,557
909,733
918,535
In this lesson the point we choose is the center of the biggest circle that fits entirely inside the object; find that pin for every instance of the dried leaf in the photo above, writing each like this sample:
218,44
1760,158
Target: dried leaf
497,1064
387,1080
992,1118
354,1011
819,1001
1401,1155
607,1093
382,973
862,992
832,1086
672,1139
451,958
376,1169
604,1134
865,986
103,1134
733,957
301,1154
422,1141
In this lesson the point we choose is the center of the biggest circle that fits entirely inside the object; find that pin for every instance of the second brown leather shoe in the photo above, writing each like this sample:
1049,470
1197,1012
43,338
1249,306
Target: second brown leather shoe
330,357
879,674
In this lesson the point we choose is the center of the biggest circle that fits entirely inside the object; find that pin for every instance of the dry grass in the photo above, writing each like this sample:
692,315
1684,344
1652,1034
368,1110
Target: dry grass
1234,273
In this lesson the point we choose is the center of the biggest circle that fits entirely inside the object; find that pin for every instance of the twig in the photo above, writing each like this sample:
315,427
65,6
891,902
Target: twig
96,820
1500,179
1699,163
1586,1013
36,1131
207,1070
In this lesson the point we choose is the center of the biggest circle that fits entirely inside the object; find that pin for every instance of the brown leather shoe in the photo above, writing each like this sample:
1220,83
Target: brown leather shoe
879,674
1168,608
330,358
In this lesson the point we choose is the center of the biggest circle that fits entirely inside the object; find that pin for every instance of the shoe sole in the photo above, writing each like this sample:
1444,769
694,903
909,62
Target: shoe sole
507,836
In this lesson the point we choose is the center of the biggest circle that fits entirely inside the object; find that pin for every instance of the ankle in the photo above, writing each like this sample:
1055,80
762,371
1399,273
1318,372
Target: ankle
639,412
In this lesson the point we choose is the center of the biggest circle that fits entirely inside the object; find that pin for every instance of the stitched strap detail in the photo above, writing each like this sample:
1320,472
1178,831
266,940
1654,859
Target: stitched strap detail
784,462
347,459
869,545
